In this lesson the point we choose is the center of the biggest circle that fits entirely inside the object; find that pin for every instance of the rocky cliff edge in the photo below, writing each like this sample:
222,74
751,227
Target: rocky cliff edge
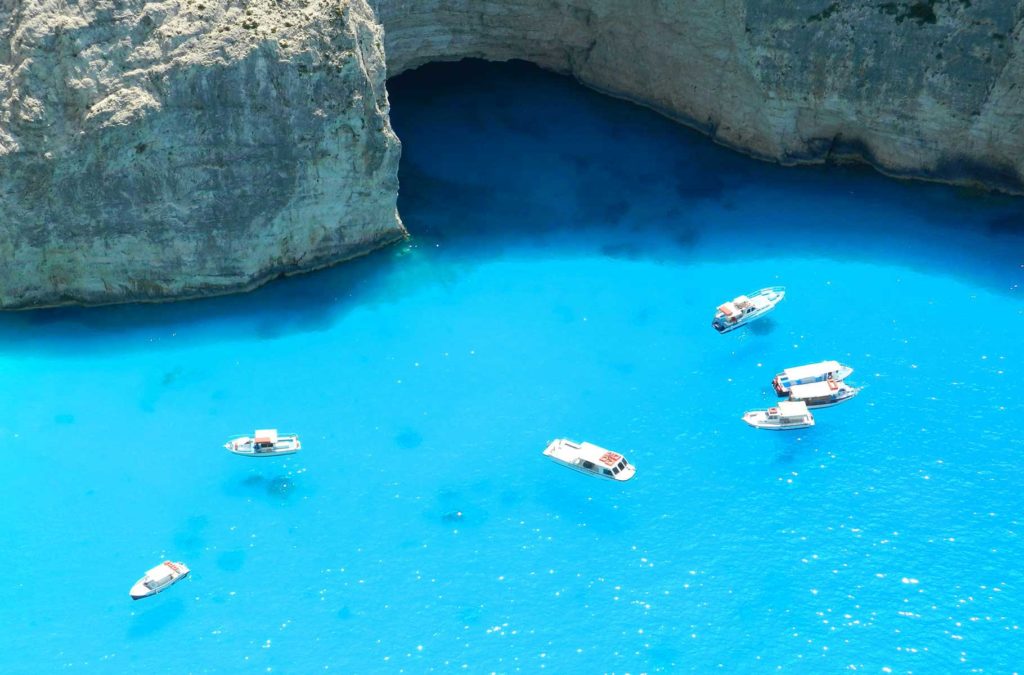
161,150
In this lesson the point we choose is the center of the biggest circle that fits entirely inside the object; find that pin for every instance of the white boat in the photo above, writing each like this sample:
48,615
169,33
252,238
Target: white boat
786,415
822,394
590,459
812,372
747,308
265,443
161,577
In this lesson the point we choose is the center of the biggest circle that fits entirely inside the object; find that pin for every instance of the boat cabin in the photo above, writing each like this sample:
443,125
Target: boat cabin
157,577
599,460
265,440
789,412
822,393
813,372
590,459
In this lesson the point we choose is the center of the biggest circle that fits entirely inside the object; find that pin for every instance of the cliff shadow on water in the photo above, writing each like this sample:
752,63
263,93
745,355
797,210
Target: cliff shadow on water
503,155
508,160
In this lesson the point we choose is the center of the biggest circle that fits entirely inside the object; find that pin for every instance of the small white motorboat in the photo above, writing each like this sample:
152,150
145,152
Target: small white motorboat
161,577
265,443
812,372
590,459
747,308
822,394
786,415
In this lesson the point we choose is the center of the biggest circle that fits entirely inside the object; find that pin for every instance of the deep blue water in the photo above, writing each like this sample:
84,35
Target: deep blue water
567,253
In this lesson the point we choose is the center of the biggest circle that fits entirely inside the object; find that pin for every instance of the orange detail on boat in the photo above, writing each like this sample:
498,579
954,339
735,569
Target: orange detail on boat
610,458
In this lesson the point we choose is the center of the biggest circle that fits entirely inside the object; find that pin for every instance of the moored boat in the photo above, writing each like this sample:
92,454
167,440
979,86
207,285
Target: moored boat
786,415
590,459
812,372
158,579
822,394
265,443
747,308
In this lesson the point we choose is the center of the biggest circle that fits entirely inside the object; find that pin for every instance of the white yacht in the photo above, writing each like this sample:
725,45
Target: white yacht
747,308
786,415
590,459
812,372
822,394
161,577
265,443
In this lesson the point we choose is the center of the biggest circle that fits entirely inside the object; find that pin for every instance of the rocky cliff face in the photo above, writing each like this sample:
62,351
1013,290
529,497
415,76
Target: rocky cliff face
154,150
918,88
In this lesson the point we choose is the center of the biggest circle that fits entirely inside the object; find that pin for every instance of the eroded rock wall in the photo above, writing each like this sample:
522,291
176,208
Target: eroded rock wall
177,148
153,150
930,89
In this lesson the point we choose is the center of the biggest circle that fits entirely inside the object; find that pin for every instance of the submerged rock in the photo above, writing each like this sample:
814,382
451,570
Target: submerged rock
163,150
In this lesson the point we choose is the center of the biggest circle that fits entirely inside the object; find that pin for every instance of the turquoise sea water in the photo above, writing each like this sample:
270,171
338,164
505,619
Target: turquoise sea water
567,253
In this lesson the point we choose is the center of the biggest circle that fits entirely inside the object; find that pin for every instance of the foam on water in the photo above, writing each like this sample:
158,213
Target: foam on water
567,253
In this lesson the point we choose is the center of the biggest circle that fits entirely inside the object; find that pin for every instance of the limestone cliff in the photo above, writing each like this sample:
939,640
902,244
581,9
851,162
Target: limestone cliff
171,149
918,88
176,148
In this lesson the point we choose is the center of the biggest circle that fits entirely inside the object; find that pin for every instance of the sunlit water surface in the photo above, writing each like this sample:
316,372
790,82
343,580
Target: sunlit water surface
567,253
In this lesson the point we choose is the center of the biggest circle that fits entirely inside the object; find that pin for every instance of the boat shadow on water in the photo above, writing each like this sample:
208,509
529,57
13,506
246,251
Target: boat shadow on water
162,613
762,327
281,488
791,448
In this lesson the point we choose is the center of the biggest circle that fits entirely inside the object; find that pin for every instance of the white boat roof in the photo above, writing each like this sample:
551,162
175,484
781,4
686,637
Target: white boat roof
728,308
812,370
792,408
815,389
568,450
159,572
266,435
598,455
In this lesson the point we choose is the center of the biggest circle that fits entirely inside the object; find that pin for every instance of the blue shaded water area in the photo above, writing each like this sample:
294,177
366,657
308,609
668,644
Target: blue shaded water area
568,251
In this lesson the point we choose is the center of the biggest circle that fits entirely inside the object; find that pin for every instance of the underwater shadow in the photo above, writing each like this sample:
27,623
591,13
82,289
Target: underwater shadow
158,618
280,488
606,177
303,303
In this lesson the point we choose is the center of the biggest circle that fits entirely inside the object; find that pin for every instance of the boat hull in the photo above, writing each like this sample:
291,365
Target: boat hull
784,390
778,292
628,473
288,444
812,405
777,427
728,328
140,591
759,421
276,453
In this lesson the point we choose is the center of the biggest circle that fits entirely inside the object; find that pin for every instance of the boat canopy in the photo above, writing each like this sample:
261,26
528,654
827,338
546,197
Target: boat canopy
598,455
728,308
158,572
811,370
266,436
814,389
792,409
